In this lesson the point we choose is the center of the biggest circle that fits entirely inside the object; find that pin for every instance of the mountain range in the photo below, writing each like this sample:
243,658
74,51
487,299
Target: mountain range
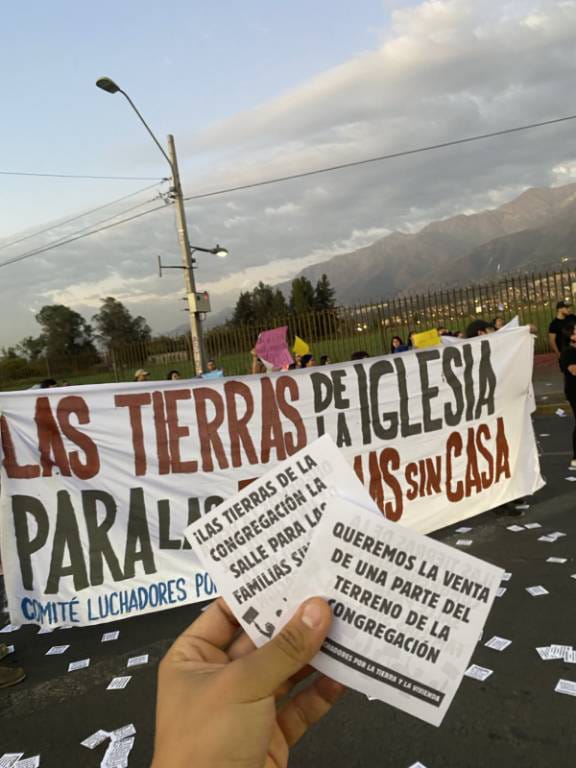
536,230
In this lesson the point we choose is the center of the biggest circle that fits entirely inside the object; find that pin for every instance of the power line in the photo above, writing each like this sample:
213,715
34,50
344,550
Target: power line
3,246
88,227
380,158
404,153
81,176
50,247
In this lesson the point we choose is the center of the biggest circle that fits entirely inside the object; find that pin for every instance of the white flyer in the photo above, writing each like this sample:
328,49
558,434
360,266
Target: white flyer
408,610
135,661
8,759
537,591
558,651
95,739
478,673
56,650
253,544
566,686
82,664
117,753
118,683
124,732
498,643
28,762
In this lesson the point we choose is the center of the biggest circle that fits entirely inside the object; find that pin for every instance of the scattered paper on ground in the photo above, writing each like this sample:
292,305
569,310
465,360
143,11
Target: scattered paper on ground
566,686
478,673
95,739
117,683
57,649
537,591
82,664
498,643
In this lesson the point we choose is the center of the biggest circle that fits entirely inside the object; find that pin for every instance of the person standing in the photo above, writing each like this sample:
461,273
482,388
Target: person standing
568,368
564,318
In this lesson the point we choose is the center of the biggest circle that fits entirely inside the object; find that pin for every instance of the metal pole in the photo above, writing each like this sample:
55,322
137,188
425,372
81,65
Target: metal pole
195,322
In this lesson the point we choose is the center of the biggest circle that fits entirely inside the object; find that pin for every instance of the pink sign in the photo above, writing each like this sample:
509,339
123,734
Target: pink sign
272,348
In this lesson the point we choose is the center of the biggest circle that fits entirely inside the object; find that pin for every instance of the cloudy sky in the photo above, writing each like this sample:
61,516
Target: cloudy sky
253,91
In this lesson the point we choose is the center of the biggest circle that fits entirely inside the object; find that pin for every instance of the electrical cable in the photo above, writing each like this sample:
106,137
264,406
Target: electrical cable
314,172
82,176
59,243
379,158
3,246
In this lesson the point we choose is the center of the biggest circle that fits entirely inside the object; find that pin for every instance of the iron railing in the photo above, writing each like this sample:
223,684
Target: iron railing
336,332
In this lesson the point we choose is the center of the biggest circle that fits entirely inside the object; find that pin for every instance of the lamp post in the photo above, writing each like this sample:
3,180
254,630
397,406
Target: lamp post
108,85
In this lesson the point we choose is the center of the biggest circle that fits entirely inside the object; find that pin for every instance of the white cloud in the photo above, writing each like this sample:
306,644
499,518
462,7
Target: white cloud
287,209
564,173
89,294
236,221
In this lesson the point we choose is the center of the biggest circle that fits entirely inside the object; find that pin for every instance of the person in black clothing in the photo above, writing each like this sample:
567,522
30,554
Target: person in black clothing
568,368
564,319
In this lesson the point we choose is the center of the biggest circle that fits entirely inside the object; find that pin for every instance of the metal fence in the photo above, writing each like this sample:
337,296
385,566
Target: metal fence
340,331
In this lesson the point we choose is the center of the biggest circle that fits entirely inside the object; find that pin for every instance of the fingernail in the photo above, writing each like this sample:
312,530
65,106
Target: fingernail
312,615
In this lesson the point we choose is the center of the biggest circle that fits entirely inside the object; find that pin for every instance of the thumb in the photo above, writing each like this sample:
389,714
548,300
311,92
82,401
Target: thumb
262,672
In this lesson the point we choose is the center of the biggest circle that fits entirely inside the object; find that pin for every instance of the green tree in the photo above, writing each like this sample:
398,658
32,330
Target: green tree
244,309
260,305
116,325
263,302
64,331
324,294
301,296
32,347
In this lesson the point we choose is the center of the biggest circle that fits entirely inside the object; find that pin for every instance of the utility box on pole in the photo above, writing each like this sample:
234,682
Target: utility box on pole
199,302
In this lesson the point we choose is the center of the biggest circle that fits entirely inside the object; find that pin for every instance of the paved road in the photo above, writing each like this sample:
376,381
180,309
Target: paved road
513,719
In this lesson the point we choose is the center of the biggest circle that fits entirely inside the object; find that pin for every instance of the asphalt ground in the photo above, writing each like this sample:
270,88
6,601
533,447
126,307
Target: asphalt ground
514,718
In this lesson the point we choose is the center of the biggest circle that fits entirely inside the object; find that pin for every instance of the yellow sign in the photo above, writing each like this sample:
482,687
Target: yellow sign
426,339
300,347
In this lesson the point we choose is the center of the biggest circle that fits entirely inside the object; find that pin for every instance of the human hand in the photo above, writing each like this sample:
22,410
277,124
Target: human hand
216,704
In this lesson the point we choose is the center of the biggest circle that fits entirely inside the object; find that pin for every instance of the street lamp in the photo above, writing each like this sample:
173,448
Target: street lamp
108,85
222,253
217,251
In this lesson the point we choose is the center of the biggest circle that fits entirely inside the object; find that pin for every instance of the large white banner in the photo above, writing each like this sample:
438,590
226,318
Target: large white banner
99,482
